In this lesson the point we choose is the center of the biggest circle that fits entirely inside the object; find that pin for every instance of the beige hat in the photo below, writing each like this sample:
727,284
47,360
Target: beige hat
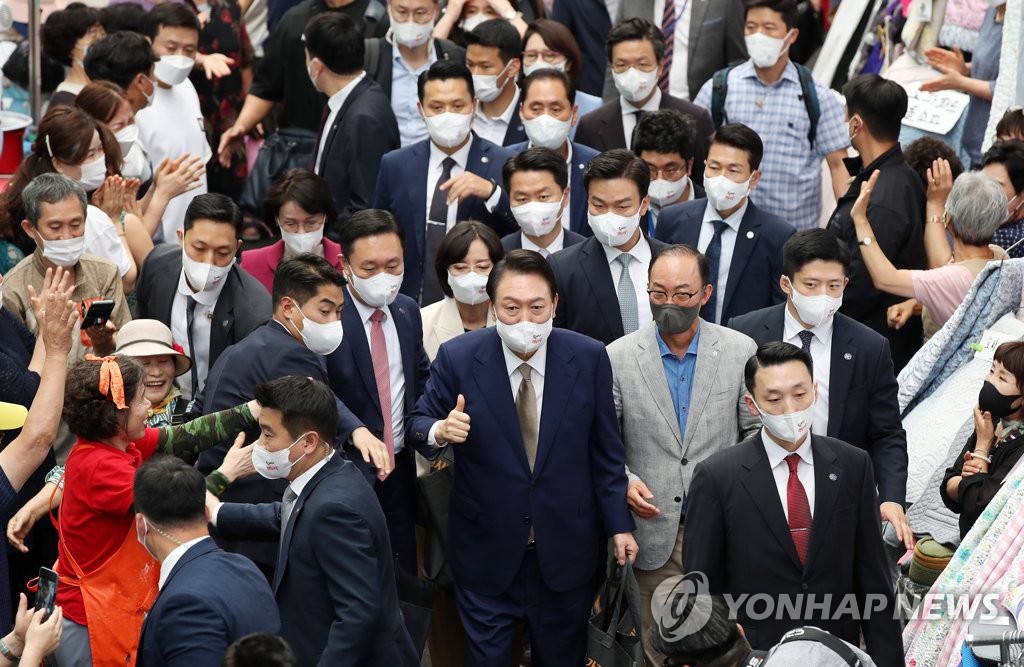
151,338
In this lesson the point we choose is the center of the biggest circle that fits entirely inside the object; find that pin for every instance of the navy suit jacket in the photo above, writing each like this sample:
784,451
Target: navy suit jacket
581,155
335,582
756,264
736,534
210,599
589,22
863,408
350,371
402,189
587,302
516,132
574,497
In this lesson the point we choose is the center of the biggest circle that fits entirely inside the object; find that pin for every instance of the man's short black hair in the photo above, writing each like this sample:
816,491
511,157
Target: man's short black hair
119,58
170,15
549,74
302,276
774,353
632,29
336,40
618,163
444,70
536,159
788,9
1010,154
880,102
809,245
456,244
305,405
127,16
497,34
64,27
260,650
215,208
365,223
743,138
521,262
666,131
169,492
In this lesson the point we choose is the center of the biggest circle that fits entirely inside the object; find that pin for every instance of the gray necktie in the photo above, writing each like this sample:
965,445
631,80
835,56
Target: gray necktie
526,410
287,505
627,296
806,336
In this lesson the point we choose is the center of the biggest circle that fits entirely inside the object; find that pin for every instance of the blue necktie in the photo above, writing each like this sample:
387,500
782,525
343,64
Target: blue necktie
714,257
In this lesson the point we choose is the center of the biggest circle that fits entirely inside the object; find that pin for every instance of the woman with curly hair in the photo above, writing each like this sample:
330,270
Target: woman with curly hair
67,35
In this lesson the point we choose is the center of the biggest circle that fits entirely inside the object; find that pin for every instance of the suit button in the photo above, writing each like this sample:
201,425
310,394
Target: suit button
678,499
803,586
526,519
685,461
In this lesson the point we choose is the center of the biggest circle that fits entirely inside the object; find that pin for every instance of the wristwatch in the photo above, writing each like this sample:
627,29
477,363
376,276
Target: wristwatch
6,652
866,241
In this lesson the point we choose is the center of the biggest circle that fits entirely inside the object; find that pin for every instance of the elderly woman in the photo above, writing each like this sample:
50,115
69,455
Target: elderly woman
975,209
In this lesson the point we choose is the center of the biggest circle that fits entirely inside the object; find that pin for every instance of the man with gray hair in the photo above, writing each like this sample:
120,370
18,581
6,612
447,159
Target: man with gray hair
55,208
975,209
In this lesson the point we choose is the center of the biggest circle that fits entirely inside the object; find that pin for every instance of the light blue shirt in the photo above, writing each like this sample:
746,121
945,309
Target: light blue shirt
404,97
679,374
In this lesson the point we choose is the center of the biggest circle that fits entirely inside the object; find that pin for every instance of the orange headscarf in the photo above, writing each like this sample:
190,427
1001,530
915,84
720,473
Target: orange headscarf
111,382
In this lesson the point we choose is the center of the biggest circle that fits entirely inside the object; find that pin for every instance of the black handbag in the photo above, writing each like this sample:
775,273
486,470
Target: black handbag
288,148
434,490
613,636
416,602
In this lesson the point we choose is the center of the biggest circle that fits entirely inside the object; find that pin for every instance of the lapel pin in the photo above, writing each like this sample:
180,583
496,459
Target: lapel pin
580,166
847,356
484,159
714,353
832,476
750,235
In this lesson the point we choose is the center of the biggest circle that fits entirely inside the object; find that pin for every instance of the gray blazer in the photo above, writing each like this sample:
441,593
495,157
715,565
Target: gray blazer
716,38
656,453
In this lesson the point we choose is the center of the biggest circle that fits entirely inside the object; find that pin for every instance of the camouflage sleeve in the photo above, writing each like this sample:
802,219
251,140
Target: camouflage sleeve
188,439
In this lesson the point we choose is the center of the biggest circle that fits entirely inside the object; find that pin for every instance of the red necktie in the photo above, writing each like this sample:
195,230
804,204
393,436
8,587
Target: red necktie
668,29
382,373
799,510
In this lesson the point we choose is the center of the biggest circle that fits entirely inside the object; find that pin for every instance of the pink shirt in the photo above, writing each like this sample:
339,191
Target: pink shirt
943,289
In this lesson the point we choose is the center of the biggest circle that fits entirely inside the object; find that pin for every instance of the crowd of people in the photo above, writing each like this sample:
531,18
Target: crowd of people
311,300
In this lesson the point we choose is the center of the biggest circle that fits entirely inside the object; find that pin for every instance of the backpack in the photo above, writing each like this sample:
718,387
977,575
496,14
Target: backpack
720,86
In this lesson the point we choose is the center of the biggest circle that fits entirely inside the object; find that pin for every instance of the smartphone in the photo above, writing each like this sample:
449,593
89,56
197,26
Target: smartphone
46,596
98,313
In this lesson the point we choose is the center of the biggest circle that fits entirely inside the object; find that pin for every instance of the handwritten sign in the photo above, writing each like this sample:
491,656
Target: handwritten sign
934,112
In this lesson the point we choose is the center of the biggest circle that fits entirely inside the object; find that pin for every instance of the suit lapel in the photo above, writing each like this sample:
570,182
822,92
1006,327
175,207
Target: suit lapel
759,482
613,127
355,336
559,379
577,197
353,96
408,345
746,238
449,323
699,8
515,125
827,478
704,373
287,531
840,374
224,314
491,370
595,270
653,372
690,227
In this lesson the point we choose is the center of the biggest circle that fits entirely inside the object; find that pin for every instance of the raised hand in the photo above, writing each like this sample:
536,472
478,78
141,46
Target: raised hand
455,428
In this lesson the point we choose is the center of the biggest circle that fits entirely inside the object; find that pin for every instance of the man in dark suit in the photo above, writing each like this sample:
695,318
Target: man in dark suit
743,244
666,140
198,290
787,514
493,56
852,365
208,598
358,126
549,113
636,49
308,297
540,479
335,577
536,183
380,368
589,22
454,176
602,282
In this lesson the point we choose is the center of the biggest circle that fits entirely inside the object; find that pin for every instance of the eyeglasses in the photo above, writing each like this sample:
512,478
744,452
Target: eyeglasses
421,15
643,66
305,226
547,55
678,298
670,173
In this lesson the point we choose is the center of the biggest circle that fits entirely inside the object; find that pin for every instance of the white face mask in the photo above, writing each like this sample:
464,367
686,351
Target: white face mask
530,69
765,51
486,85
469,288
305,242
523,337
815,310
411,34
448,129
612,229
274,465
319,338
378,291
635,85
150,96
173,70
126,137
201,276
470,24
537,218
64,253
93,173
724,193
547,131
790,427
136,165
664,192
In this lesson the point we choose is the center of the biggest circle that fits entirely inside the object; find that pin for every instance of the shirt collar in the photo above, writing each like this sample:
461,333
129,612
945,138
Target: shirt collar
537,362
300,482
506,115
663,347
792,328
366,312
733,221
168,563
653,104
747,70
336,100
641,251
460,156
553,247
777,454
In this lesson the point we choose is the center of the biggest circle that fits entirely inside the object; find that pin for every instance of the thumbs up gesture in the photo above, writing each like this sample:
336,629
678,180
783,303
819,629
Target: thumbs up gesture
454,429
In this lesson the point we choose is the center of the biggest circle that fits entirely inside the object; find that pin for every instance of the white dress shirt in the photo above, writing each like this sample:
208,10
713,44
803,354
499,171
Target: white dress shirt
537,365
629,111
493,129
780,469
397,371
821,355
168,563
334,103
434,169
206,303
678,84
552,248
707,232
641,253
296,485
566,220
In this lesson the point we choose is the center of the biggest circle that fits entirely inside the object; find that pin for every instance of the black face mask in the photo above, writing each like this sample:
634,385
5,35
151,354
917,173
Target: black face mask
997,404
672,319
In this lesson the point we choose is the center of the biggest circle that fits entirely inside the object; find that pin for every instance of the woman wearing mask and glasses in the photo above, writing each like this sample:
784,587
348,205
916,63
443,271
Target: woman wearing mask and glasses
301,203
549,44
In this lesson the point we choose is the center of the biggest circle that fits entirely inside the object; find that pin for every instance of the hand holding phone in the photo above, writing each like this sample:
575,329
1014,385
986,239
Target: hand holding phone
46,596
98,314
